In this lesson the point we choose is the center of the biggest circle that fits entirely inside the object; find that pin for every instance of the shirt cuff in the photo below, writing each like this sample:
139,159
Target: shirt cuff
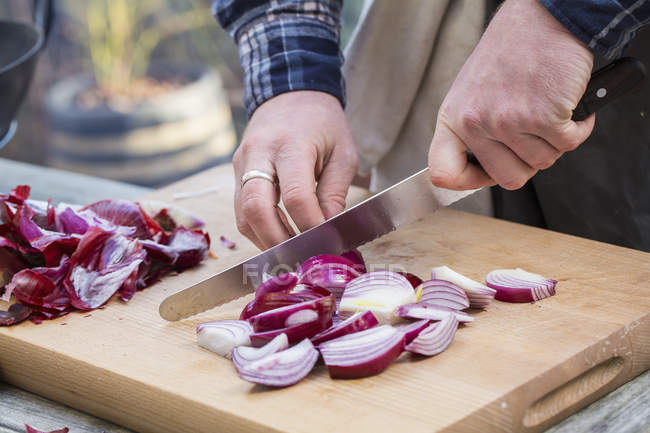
605,26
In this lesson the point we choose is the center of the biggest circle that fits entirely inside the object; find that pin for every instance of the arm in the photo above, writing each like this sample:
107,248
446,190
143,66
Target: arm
297,131
512,102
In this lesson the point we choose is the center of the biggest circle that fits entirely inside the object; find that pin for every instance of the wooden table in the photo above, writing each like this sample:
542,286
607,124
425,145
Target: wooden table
627,409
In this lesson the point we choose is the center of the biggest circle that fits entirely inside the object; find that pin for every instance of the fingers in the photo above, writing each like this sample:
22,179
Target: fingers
298,188
448,163
256,203
335,180
570,134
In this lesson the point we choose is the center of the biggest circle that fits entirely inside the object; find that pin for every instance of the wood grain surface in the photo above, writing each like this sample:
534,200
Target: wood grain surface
518,367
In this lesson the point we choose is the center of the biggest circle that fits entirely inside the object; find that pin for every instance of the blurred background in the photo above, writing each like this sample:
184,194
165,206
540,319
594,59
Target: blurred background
145,91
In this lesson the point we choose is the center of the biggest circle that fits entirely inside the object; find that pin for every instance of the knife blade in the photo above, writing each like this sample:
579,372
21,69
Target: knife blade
405,202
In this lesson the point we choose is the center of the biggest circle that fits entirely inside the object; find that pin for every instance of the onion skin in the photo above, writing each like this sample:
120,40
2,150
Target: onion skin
294,333
517,285
355,257
444,293
320,309
413,279
355,355
412,330
357,323
435,338
283,368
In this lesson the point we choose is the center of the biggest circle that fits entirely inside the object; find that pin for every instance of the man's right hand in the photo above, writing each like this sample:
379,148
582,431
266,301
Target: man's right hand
301,137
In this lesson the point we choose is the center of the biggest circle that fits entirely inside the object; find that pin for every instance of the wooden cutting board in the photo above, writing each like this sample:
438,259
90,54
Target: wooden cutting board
518,367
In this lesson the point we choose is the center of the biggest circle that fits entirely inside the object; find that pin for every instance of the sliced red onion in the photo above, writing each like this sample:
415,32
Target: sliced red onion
356,323
178,215
294,333
363,353
444,293
479,295
413,279
422,310
435,338
380,292
269,301
517,285
327,271
227,242
320,309
126,213
19,194
15,314
282,368
222,336
355,257
279,283
245,354
29,429
411,330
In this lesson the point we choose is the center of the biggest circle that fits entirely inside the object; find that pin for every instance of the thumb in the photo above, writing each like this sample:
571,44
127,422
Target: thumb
335,180
573,134
448,165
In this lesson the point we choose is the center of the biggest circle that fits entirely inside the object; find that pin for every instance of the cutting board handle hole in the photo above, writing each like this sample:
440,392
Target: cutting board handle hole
573,391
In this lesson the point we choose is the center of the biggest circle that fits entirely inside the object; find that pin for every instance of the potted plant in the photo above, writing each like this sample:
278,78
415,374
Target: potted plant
134,119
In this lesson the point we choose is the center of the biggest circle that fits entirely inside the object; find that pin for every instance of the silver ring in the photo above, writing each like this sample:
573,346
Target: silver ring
256,174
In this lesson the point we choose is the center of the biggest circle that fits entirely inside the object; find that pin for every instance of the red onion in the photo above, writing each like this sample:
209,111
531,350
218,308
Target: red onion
15,314
380,292
327,271
294,333
479,295
411,330
413,279
517,285
363,353
435,338
279,283
227,242
244,354
320,309
444,293
422,310
224,335
177,215
355,257
30,429
282,368
356,323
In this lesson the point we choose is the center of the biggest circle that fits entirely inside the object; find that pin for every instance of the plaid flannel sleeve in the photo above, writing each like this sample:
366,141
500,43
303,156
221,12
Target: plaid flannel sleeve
606,26
285,45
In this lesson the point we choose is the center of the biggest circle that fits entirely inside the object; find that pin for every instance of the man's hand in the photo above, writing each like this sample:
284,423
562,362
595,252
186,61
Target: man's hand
511,103
301,137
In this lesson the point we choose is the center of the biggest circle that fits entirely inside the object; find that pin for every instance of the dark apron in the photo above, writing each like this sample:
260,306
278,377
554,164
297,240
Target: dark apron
601,190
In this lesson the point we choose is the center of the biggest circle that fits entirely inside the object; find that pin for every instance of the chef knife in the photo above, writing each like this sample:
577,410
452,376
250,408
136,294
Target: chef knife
403,203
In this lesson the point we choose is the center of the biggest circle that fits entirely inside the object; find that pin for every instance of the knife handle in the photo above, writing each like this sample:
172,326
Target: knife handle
605,85
609,83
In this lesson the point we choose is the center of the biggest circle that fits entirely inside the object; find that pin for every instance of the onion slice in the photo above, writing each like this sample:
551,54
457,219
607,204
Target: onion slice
413,279
294,333
380,292
330,272
356,323
444,293
222,336
320,309
411,330
435,338
423,310
363,353
479,295
243,354
517,285
282,368
278,283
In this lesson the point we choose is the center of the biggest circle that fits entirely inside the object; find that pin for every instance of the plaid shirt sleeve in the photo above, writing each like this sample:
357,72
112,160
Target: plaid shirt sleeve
606,26
285,45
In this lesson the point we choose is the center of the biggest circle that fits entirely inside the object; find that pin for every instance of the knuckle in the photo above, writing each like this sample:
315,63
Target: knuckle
471,121
542,163
293,195
513,183
252,205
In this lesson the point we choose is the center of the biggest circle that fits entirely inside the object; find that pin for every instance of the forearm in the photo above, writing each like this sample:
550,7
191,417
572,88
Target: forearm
606,26
285,46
